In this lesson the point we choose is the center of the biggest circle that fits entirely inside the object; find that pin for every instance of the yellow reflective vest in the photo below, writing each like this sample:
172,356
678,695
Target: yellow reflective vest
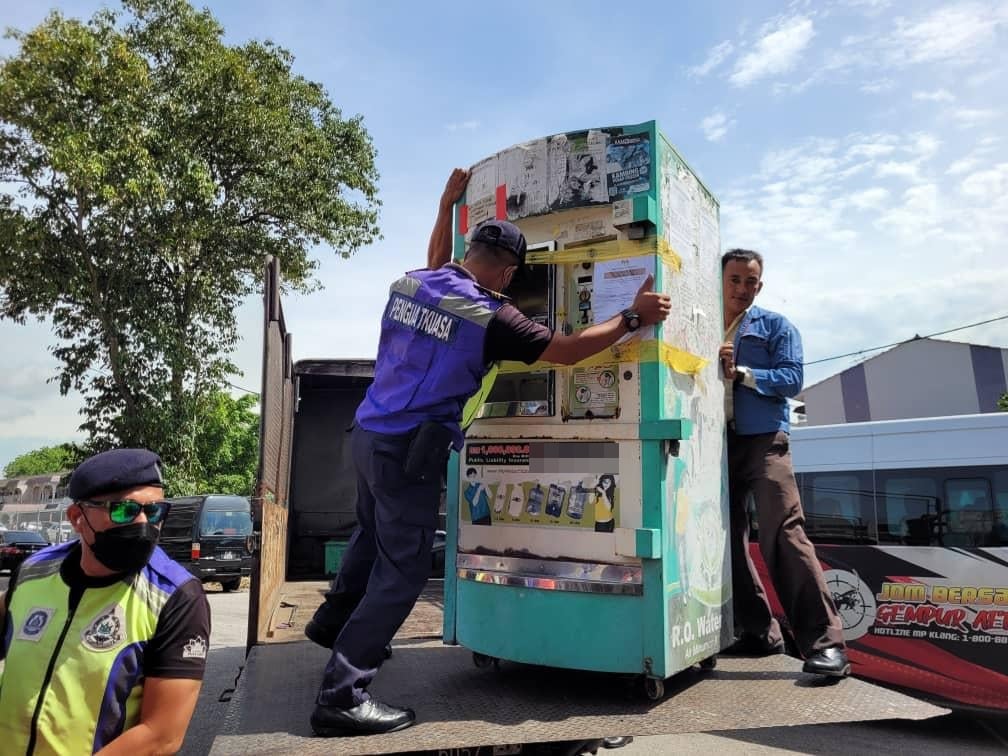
73,680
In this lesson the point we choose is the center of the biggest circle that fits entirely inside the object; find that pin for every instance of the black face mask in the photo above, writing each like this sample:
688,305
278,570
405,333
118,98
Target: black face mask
126,548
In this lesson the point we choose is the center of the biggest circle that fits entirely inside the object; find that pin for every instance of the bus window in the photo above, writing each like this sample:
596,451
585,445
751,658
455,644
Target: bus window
839,507
999,532
968,513
908,507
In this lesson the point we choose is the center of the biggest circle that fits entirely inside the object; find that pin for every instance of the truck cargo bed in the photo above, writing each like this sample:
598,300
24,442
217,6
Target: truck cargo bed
459,705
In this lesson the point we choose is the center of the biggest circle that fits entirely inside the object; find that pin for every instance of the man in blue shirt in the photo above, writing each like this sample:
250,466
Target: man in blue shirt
761,357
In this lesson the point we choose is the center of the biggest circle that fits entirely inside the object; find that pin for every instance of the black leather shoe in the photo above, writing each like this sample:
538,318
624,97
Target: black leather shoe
752,645
370,718
319,634
831,662
619,742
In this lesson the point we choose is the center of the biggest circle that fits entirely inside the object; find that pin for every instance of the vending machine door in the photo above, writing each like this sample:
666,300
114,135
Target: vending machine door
518,391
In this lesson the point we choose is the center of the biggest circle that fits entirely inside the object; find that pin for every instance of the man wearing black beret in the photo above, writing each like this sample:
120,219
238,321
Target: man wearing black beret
105,638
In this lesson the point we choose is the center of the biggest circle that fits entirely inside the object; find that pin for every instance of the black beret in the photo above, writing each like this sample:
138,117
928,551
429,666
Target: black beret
115,470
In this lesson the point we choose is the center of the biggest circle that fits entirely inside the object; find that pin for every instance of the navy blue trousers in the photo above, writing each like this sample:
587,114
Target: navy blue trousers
384,568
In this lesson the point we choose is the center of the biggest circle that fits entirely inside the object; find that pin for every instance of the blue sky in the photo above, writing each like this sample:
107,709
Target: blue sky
860,144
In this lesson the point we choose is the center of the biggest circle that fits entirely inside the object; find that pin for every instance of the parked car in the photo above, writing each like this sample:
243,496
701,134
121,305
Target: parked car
60,532
211,536
17,545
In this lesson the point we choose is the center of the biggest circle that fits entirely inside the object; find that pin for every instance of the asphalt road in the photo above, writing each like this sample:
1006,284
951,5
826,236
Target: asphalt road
953,733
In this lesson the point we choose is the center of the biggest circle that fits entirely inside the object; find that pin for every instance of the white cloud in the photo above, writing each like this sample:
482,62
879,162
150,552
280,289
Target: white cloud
962,166
776,52
938,95
26,382
839,239
716,125
878,86
988,184
878,148
918,217
870,199
969,117
965,33
870,7
715,57
924,145
463,126
15,412
957,33
834,191
902,169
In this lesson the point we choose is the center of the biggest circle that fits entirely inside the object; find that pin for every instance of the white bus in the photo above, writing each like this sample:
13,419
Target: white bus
910,523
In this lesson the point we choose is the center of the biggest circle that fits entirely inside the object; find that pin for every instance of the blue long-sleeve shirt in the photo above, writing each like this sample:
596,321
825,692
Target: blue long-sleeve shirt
770,347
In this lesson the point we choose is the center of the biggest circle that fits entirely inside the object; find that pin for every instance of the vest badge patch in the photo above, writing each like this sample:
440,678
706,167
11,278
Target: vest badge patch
107,631
35,623
195,648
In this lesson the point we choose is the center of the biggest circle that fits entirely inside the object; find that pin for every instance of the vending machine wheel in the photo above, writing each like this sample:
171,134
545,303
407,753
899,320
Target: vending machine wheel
654,688
709,663
483,661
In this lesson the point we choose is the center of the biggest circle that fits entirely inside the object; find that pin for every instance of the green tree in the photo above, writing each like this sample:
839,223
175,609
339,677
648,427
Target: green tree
1003,403
155,167
223,449
48,459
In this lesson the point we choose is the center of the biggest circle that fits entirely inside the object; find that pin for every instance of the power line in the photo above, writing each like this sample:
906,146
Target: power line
906,341
239,388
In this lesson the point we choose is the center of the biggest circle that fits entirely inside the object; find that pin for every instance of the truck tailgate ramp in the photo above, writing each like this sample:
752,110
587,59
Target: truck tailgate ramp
458,705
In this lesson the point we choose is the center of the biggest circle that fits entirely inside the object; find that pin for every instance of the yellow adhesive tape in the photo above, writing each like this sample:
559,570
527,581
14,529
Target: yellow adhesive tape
609,250
634,351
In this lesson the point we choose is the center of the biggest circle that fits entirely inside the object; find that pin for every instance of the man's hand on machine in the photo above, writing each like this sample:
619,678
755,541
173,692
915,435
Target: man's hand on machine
651,306
453,189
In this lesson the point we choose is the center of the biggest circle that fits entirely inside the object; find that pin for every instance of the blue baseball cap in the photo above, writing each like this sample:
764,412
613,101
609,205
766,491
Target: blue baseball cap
115,470
501,233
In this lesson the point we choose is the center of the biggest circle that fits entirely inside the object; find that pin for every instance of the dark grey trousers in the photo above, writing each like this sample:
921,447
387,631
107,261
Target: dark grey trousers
761,464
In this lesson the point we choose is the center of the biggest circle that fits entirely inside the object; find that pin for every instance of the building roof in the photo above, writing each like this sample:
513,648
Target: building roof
914,340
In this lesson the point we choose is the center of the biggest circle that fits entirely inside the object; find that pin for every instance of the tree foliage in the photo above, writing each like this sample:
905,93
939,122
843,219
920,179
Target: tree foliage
1003,403
223,450
155,167
48,459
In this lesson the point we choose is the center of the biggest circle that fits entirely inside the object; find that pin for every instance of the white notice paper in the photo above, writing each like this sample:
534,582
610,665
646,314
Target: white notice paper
616,283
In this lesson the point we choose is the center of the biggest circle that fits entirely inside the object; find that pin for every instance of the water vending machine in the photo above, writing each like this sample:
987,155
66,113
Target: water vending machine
606,545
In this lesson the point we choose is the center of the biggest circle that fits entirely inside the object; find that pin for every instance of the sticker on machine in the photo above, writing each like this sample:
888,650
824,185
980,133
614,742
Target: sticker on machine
569,484
510,455
594,391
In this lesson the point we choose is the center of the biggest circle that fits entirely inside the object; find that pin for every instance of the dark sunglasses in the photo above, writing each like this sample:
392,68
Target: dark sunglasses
127,510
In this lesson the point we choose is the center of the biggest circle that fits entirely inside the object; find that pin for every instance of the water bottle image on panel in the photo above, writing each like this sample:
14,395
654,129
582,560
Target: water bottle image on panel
517,500
535,500
554,502
576,505
501,497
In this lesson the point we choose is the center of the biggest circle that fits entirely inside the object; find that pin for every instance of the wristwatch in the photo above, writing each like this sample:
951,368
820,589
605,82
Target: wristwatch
631,320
